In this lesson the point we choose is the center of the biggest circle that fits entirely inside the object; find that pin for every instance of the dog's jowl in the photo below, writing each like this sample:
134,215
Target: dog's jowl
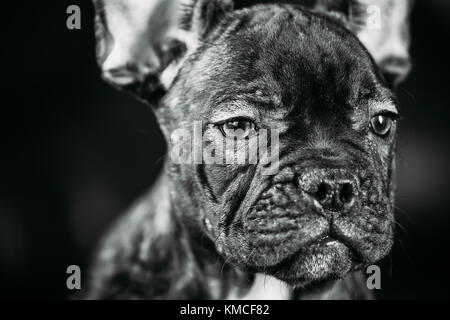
213,230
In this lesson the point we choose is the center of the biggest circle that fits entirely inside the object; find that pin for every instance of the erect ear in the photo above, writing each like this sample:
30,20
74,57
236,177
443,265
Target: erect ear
382,26
142,43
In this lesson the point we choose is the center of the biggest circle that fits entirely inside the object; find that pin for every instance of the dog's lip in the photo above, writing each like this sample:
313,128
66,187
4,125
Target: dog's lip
327,239
331,239
325,242
324,239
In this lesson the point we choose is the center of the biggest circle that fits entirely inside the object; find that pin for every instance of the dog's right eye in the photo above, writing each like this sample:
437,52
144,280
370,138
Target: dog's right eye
381,124
240,128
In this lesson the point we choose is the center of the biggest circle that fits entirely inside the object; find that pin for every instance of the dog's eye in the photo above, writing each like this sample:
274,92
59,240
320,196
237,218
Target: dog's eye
239,128
381,124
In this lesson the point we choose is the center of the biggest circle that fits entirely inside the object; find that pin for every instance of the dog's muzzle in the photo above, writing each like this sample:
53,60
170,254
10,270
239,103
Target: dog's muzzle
314,223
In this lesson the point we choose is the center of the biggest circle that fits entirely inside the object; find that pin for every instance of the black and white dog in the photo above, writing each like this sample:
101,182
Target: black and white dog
320,73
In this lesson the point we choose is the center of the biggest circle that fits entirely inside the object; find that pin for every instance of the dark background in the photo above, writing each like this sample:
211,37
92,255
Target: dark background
74,153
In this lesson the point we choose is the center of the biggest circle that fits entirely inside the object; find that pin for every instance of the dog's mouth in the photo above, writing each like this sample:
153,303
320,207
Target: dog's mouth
332,241
322,259
326,241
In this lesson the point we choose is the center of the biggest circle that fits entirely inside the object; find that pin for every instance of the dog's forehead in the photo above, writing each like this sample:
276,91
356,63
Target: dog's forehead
294,61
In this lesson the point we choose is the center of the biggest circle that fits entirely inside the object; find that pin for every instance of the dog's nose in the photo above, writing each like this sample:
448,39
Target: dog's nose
335,195
336,190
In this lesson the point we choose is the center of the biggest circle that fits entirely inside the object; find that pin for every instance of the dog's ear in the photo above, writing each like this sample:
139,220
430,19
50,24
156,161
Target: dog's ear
141,43
382,26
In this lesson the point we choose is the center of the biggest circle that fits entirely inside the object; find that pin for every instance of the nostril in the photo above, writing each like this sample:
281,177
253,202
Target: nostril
346,193
322,191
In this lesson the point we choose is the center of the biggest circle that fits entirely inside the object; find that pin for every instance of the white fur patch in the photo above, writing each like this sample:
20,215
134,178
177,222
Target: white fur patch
265,287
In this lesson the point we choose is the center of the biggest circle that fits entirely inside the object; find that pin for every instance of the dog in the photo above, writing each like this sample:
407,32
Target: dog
312,71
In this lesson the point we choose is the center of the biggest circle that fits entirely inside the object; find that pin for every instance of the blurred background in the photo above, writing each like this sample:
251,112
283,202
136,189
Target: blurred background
75,153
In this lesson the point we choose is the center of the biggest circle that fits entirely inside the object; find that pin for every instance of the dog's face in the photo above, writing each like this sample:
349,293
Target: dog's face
328,209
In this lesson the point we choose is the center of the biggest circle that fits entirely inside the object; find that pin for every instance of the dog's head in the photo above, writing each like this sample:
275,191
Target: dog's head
327,209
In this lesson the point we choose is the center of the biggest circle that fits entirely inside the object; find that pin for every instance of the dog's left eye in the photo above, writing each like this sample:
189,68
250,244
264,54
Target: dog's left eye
240,128
381,124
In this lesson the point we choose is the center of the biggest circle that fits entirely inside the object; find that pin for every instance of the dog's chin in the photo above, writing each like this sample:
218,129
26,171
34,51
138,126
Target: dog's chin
324,260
